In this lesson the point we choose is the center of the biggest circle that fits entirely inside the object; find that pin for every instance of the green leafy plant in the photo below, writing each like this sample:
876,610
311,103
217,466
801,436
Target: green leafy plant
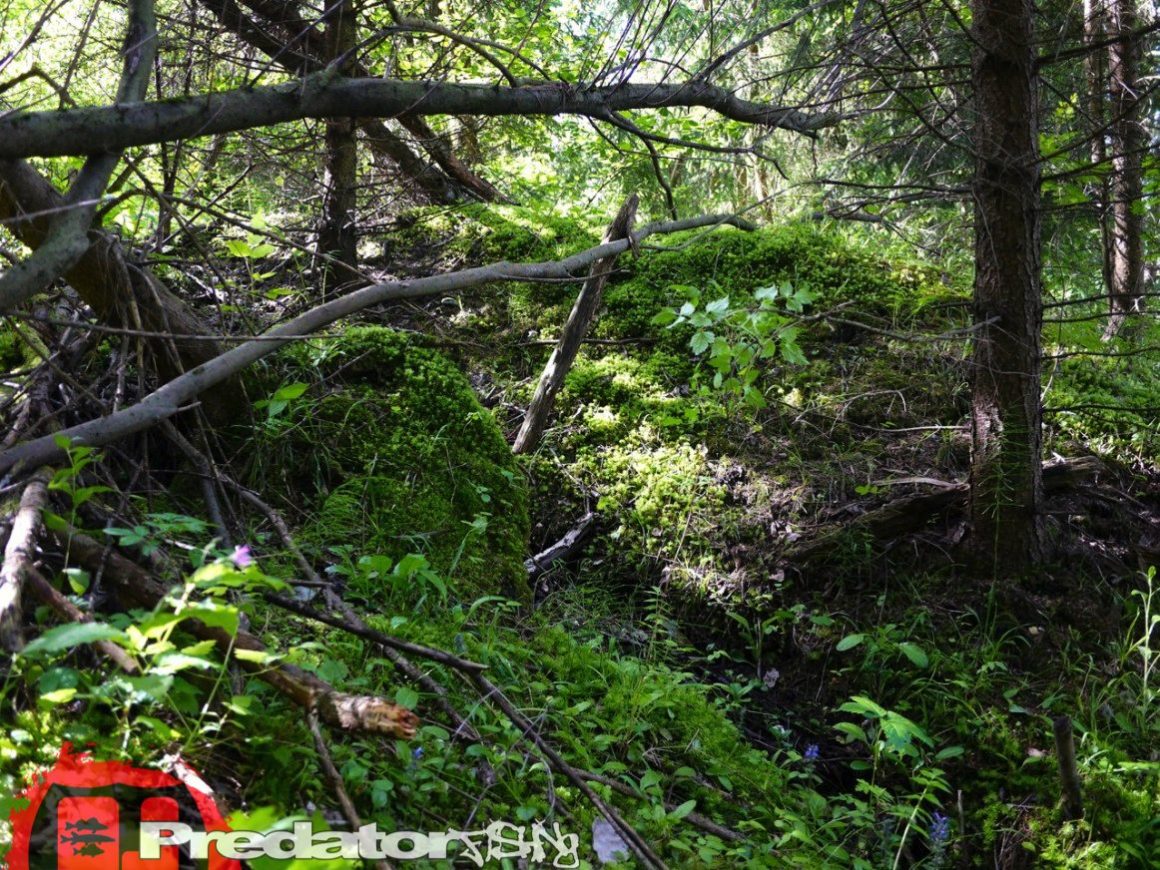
155,692
737,342
157,529
277,404
897,745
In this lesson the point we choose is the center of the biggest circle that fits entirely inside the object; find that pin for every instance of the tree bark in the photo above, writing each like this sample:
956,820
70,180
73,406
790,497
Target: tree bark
1127,185
18,557
1006,478
337,242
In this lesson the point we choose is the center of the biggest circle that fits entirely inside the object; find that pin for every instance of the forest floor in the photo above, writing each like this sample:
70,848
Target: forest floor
764,528
770,645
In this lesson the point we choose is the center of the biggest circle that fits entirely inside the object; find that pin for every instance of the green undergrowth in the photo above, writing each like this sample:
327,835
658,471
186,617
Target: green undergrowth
1102,394
696,491
637,722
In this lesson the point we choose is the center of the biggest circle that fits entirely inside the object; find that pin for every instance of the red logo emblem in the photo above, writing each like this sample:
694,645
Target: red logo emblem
87,815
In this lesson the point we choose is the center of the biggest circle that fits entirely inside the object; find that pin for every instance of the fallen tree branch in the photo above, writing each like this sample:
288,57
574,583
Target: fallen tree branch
352,623
326,94
695,819
50,595
349,712
579,320
542,561
364,631
18,560
635,842
172,397
334,779
910,513
437,186
493,695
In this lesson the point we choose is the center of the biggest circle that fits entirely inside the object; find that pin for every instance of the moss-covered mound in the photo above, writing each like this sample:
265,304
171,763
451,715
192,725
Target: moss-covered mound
405,460
487,233
806,255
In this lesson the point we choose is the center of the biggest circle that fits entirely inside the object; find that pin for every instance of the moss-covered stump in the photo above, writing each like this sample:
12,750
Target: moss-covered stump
404,460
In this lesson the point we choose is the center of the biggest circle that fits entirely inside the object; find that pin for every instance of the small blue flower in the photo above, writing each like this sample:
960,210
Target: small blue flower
812,752
417,753
940,829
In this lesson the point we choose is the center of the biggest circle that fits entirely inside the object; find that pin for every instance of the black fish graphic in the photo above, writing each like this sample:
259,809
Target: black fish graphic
91,850
73,839
86,825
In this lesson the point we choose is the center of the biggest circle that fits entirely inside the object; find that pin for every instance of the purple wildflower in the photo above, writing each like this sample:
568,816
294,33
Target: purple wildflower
812,752
241,556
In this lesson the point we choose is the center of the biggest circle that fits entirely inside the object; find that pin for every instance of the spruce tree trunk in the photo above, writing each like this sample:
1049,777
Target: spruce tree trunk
337,242
1006,477
1127,186
1096,67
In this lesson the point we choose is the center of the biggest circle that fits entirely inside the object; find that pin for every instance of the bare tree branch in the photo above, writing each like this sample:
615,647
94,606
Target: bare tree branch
173,396
326,95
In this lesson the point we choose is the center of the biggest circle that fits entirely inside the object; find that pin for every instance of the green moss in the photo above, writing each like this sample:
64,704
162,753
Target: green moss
15,352
1119,828
405,460
488,233
1091,399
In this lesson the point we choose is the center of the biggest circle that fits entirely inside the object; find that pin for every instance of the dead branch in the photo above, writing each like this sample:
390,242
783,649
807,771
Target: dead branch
207,475
492,694
334,779
18,555
364,631
579,320
635,842
695,819
326,94
562,549
436,186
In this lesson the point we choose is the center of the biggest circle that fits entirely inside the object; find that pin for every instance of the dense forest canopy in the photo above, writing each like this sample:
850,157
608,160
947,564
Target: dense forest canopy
725,431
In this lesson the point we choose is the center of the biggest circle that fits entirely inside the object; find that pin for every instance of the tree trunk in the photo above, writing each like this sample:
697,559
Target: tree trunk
1006,477
1127,185
337,242
1095,63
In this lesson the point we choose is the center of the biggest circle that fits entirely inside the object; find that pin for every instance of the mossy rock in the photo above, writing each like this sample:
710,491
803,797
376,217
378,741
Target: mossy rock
406,460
